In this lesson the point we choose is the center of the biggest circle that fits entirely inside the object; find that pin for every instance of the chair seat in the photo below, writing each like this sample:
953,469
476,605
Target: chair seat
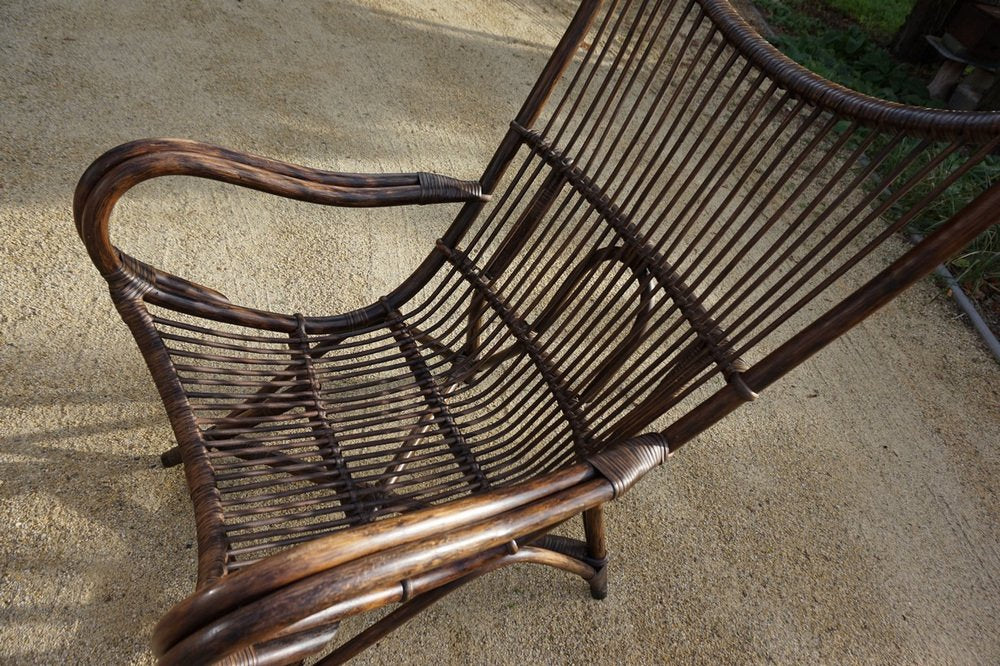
308,434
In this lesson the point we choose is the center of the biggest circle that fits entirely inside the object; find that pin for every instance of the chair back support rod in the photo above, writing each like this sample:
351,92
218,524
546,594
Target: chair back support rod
505,152
919,262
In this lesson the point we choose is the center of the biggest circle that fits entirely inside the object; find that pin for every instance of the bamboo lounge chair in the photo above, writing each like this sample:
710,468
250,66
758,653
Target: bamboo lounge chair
677,217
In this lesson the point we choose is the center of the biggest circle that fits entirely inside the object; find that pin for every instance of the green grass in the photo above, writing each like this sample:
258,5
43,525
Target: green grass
843,52
978,266
855,54
881,18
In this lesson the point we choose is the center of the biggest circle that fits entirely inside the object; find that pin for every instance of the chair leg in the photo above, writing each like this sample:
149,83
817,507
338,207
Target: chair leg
597,552
171,458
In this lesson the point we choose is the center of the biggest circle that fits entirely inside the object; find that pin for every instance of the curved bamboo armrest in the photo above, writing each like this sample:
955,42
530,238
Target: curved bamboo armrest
360,567
321,581
124,167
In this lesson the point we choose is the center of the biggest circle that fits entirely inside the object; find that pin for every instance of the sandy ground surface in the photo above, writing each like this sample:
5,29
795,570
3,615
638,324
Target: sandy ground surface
849,516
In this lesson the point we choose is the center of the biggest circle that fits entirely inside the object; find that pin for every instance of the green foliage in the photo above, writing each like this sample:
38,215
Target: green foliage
882,18
844,53
850,58
978,266
851,55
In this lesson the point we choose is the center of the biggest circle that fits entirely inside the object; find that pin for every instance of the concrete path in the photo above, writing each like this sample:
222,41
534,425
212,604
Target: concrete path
849,516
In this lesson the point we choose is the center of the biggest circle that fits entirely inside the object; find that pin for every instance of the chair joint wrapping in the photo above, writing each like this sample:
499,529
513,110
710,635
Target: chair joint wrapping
435,188
624,464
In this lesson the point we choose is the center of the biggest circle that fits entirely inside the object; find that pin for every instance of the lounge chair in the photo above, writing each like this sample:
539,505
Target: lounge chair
677,217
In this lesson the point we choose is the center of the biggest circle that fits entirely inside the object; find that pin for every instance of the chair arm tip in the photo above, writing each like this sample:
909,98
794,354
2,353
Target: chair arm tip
435,188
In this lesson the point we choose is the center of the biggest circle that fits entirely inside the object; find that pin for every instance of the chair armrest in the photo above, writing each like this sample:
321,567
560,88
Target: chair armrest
124,167
253,603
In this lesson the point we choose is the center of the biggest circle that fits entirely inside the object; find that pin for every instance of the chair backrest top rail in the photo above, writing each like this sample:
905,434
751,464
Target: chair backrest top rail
938,124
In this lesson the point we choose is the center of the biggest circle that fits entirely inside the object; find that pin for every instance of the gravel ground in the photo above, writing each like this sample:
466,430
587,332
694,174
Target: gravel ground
848,516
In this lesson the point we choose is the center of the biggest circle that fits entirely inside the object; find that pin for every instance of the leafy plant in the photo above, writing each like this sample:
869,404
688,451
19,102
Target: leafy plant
879,17
851,52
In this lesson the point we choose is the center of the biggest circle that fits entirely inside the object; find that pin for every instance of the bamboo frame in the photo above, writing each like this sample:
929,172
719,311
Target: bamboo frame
590,286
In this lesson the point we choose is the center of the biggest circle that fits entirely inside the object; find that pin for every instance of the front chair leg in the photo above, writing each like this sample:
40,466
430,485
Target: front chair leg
597,551
171,457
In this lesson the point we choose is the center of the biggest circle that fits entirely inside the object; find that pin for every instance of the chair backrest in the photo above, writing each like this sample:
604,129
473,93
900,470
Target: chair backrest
681,214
